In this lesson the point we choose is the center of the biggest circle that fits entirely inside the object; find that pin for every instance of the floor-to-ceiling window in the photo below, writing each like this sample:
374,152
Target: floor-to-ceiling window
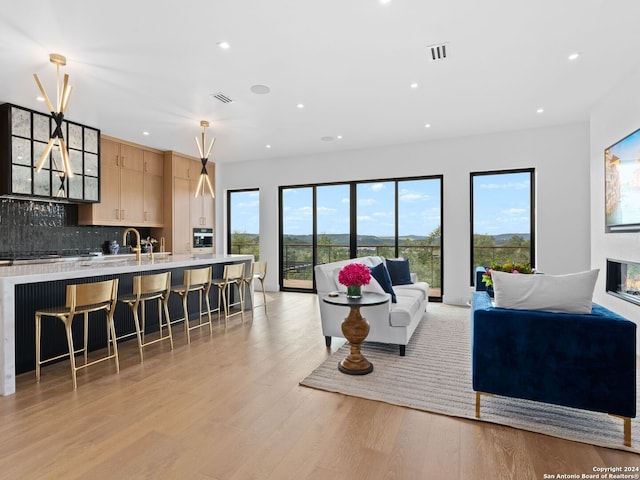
390,218
502,218
333,213
243,219
376,219
296,238
419,226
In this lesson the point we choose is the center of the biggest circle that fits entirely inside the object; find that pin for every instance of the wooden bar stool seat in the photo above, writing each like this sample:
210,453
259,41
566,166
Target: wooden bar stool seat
233,274
81,299
145,288
195,280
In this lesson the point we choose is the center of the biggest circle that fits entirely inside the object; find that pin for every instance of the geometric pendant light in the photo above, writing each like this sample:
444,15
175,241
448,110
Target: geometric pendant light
204,178
57,114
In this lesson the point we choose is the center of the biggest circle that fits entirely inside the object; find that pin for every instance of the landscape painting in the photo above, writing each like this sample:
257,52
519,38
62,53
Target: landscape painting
622,185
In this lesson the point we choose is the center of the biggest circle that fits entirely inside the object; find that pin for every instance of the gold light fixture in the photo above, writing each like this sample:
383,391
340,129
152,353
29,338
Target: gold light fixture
204,177
57,114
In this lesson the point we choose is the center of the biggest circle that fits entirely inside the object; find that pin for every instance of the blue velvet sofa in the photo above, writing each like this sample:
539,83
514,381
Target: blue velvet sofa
559,358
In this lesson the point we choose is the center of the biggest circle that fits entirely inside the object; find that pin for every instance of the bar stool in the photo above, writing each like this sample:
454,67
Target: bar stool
150,287
82,298
195,280
258,272
233,274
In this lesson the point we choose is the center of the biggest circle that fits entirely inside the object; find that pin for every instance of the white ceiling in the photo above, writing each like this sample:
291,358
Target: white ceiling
152,66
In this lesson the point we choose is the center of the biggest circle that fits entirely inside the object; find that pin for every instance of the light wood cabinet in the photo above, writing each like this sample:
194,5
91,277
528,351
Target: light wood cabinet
185,211
153,188
132,187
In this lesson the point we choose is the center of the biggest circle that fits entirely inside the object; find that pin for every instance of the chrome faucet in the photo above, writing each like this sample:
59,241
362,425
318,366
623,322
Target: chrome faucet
138,247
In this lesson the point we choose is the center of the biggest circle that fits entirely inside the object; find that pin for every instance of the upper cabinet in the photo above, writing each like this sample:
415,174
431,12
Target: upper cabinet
132,187
24,135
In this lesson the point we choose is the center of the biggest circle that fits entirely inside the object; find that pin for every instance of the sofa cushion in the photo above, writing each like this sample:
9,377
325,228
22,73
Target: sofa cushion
570,293
404,310
380,273
399,271
421,287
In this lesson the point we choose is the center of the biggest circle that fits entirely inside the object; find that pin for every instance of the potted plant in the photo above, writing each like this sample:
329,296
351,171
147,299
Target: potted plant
509,267
354,276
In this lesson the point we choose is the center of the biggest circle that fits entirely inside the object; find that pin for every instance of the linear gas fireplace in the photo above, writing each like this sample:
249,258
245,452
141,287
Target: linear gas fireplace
623,280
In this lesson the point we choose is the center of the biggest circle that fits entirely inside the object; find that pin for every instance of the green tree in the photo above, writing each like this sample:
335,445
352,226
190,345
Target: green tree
245,243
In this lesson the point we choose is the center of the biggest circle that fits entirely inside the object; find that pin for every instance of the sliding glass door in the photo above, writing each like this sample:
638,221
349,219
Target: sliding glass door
333,230
296,238
376,219
387,218
419,226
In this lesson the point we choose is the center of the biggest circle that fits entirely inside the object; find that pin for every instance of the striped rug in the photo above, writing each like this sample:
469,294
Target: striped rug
435,376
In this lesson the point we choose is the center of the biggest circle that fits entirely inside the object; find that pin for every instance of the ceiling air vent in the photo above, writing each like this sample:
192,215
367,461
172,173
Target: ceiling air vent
221,97
438,51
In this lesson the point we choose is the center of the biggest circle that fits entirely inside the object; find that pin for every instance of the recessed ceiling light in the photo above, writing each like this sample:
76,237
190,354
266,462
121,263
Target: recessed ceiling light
223,45
267,146
574,56
300,105
414,85
145,133
339,137
427,125
540,110
384,2
260,89
40,99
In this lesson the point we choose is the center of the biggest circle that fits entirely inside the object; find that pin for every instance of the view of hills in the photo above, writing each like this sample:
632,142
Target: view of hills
343,238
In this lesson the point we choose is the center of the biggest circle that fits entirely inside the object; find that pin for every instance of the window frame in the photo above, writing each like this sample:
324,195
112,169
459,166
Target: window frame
353,223
229,215
532,214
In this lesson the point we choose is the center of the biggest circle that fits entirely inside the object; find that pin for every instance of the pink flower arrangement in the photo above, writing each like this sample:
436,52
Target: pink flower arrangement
354,274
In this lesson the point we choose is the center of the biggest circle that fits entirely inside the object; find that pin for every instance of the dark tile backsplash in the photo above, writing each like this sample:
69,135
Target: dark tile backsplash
30,227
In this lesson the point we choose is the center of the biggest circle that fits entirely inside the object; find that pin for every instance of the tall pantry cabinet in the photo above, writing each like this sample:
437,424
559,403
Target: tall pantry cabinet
183,210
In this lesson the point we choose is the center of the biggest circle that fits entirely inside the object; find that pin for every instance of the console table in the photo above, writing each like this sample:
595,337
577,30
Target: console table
355,329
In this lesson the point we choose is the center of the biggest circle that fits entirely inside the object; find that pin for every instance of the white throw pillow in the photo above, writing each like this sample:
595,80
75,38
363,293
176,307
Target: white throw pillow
572,293
339,286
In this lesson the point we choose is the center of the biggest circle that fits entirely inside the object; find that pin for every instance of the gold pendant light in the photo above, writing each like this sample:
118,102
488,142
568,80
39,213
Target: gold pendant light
204,177
57,114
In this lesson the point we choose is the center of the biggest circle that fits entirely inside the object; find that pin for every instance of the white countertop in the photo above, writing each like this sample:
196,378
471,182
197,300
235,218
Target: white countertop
109,265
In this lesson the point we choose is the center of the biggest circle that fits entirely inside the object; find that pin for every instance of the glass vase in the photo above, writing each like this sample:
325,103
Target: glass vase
354,291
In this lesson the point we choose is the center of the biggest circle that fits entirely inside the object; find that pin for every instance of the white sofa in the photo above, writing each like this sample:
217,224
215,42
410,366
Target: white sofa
392,323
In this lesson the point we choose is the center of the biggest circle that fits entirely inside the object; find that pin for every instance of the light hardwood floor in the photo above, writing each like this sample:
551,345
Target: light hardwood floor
229,406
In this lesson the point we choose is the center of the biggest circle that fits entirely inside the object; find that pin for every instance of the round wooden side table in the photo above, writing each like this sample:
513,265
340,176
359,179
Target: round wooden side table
355,329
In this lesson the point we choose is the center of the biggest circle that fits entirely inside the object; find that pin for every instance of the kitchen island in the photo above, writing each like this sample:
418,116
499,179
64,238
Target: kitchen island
26,288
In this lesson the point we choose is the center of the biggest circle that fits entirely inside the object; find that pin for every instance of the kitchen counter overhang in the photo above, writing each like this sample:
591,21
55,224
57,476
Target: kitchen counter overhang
12,276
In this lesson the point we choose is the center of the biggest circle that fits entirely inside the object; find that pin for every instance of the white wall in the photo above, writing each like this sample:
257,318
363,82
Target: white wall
560,156
615,116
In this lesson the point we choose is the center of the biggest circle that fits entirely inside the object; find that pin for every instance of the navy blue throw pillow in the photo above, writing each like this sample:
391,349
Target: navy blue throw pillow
399,272
380,273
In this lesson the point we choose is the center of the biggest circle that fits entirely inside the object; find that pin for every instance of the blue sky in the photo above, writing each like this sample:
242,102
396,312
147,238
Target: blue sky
501,203
503,207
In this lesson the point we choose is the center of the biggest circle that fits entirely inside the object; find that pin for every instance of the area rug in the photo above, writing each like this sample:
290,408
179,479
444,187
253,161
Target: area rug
435,376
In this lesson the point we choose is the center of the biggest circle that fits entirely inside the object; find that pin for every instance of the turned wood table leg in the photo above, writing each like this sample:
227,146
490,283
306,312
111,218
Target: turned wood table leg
355,329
